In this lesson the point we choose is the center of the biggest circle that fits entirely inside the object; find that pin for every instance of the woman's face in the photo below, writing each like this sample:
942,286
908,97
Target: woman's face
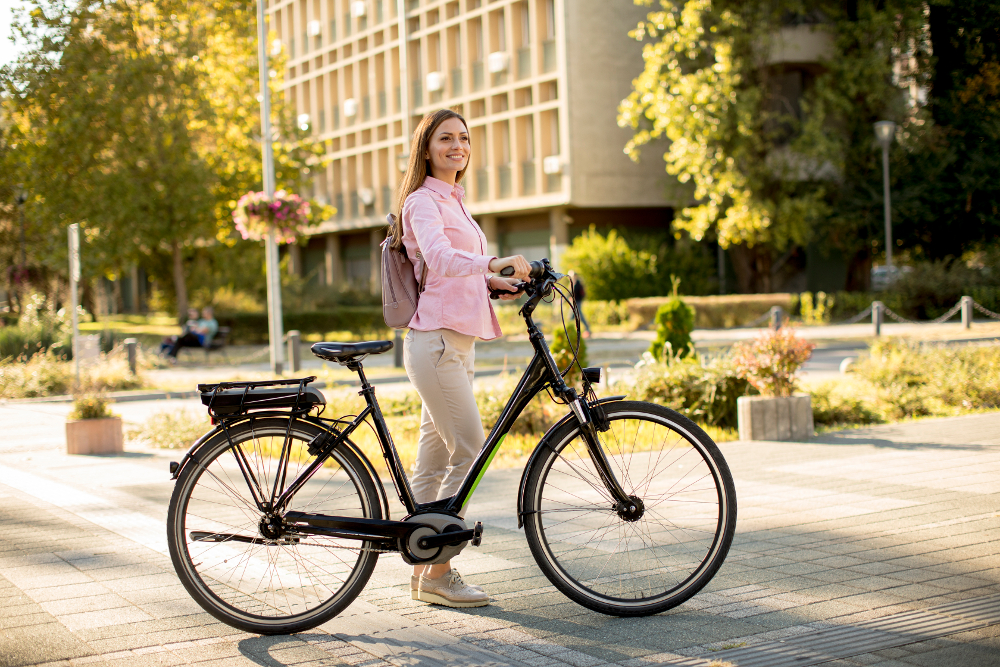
449,149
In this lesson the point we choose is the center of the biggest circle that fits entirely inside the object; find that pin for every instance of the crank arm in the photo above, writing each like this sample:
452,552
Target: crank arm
475,535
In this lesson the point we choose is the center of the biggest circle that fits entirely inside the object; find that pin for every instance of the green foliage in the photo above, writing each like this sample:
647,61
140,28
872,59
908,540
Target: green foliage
137,120
46,374
362,321
705,89
837,403
38,330
171,430
770,362
900,380
539,414
92,406
717,312
674,324
815,308
564,342
701,388
613,268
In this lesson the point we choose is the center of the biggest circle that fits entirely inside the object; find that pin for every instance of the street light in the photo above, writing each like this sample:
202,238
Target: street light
275,326
884,131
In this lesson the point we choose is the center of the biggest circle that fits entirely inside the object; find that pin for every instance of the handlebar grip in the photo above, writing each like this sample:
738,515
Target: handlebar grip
507,271
537,269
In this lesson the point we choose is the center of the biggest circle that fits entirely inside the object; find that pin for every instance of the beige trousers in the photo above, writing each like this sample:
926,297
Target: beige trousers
440,365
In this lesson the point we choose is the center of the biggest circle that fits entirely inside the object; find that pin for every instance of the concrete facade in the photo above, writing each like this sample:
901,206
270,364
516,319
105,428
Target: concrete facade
539,82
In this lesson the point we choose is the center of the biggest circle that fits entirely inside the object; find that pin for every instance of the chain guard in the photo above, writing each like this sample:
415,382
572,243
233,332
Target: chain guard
431,523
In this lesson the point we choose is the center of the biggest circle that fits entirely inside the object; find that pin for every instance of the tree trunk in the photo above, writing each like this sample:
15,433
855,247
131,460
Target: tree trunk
752,267
180,286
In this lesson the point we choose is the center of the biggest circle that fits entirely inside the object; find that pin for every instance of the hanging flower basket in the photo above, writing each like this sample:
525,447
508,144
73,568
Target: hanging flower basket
285,214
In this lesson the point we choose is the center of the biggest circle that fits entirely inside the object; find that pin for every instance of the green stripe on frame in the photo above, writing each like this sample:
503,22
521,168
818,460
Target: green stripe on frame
483,471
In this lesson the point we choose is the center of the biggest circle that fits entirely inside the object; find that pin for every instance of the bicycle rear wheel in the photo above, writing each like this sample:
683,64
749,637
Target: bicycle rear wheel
219,539
655,553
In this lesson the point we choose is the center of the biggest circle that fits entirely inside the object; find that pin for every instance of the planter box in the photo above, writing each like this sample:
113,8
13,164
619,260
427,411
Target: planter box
774,418
94,436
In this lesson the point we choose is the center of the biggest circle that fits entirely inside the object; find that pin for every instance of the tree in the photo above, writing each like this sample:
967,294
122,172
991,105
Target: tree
137,119
767,169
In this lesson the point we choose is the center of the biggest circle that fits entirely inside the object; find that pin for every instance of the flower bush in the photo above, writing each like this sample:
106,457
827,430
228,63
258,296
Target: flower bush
286,214
770,362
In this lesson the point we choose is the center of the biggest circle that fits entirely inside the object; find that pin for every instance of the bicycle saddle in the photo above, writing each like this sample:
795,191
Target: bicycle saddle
341,352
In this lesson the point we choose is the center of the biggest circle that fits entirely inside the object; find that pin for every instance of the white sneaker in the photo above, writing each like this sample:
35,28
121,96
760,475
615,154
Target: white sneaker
415,585
450,590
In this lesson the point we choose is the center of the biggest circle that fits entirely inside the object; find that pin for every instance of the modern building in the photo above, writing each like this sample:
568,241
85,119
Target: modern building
539,82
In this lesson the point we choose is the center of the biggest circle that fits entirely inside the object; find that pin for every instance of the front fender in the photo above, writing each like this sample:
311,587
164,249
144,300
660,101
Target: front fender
544,442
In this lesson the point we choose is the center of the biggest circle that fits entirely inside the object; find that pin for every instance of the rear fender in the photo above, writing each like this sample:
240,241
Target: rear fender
543,444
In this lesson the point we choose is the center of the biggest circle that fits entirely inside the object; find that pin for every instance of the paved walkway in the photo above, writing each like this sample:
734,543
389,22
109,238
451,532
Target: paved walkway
869,547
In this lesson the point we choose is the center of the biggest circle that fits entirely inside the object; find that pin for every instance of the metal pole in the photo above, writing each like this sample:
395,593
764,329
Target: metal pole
966,312
877,317
271,245
130,345
294,352
888,207
404,75
722,269
74,279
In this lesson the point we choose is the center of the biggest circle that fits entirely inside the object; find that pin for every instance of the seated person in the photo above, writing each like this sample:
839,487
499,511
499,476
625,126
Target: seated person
199,335
192,322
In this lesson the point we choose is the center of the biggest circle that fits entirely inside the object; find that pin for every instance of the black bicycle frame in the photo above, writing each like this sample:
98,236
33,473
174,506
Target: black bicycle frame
542,371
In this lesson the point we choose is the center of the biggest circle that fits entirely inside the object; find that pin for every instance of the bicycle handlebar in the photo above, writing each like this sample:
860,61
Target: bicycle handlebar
539,269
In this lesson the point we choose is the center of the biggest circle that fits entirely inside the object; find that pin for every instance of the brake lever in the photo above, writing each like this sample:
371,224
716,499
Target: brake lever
497,293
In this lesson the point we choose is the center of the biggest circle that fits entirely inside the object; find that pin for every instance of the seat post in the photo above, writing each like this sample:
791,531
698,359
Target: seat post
357,368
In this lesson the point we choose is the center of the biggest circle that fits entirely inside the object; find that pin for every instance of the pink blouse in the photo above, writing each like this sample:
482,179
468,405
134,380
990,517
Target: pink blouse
455,297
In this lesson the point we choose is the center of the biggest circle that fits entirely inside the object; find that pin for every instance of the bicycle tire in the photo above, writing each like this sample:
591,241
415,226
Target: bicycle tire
631,565
278,586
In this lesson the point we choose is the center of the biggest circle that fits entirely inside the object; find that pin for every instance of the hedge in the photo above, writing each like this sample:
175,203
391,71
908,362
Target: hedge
364,321
718,312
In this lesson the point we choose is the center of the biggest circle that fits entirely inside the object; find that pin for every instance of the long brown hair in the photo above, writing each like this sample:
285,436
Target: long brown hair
417,169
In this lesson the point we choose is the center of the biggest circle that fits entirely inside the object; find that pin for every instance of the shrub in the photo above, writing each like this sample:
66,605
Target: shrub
701,388
770,362
362,321
717,312
674,324
48,375
171,430
92,406
910,380
842,402
563,347
38,329
815,308
612,269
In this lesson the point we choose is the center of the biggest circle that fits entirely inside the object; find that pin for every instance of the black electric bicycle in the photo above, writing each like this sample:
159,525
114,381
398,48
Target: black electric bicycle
277,518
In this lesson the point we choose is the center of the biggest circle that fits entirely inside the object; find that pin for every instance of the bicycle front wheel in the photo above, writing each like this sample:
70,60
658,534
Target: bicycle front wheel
227,554
657,551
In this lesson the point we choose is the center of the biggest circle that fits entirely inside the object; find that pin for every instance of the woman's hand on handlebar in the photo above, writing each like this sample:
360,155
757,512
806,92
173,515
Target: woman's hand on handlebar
507,289
516,267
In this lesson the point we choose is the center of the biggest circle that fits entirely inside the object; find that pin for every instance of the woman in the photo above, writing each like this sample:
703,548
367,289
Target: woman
454,309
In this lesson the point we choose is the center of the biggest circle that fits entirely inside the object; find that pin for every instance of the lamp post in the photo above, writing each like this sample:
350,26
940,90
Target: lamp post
884,131
275,326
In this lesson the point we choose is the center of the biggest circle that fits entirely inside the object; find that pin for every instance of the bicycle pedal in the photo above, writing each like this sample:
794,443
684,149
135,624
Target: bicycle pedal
477,534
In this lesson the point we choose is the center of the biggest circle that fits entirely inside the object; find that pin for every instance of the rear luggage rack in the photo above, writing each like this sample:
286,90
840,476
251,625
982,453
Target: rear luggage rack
232,399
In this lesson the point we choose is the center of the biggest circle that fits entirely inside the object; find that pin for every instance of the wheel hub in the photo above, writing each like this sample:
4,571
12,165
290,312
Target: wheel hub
632,510
272,527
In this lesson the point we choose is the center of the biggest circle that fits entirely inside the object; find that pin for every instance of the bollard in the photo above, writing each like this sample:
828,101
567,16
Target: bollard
777,317
967,312
294,352
130,345
877,317
397,349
